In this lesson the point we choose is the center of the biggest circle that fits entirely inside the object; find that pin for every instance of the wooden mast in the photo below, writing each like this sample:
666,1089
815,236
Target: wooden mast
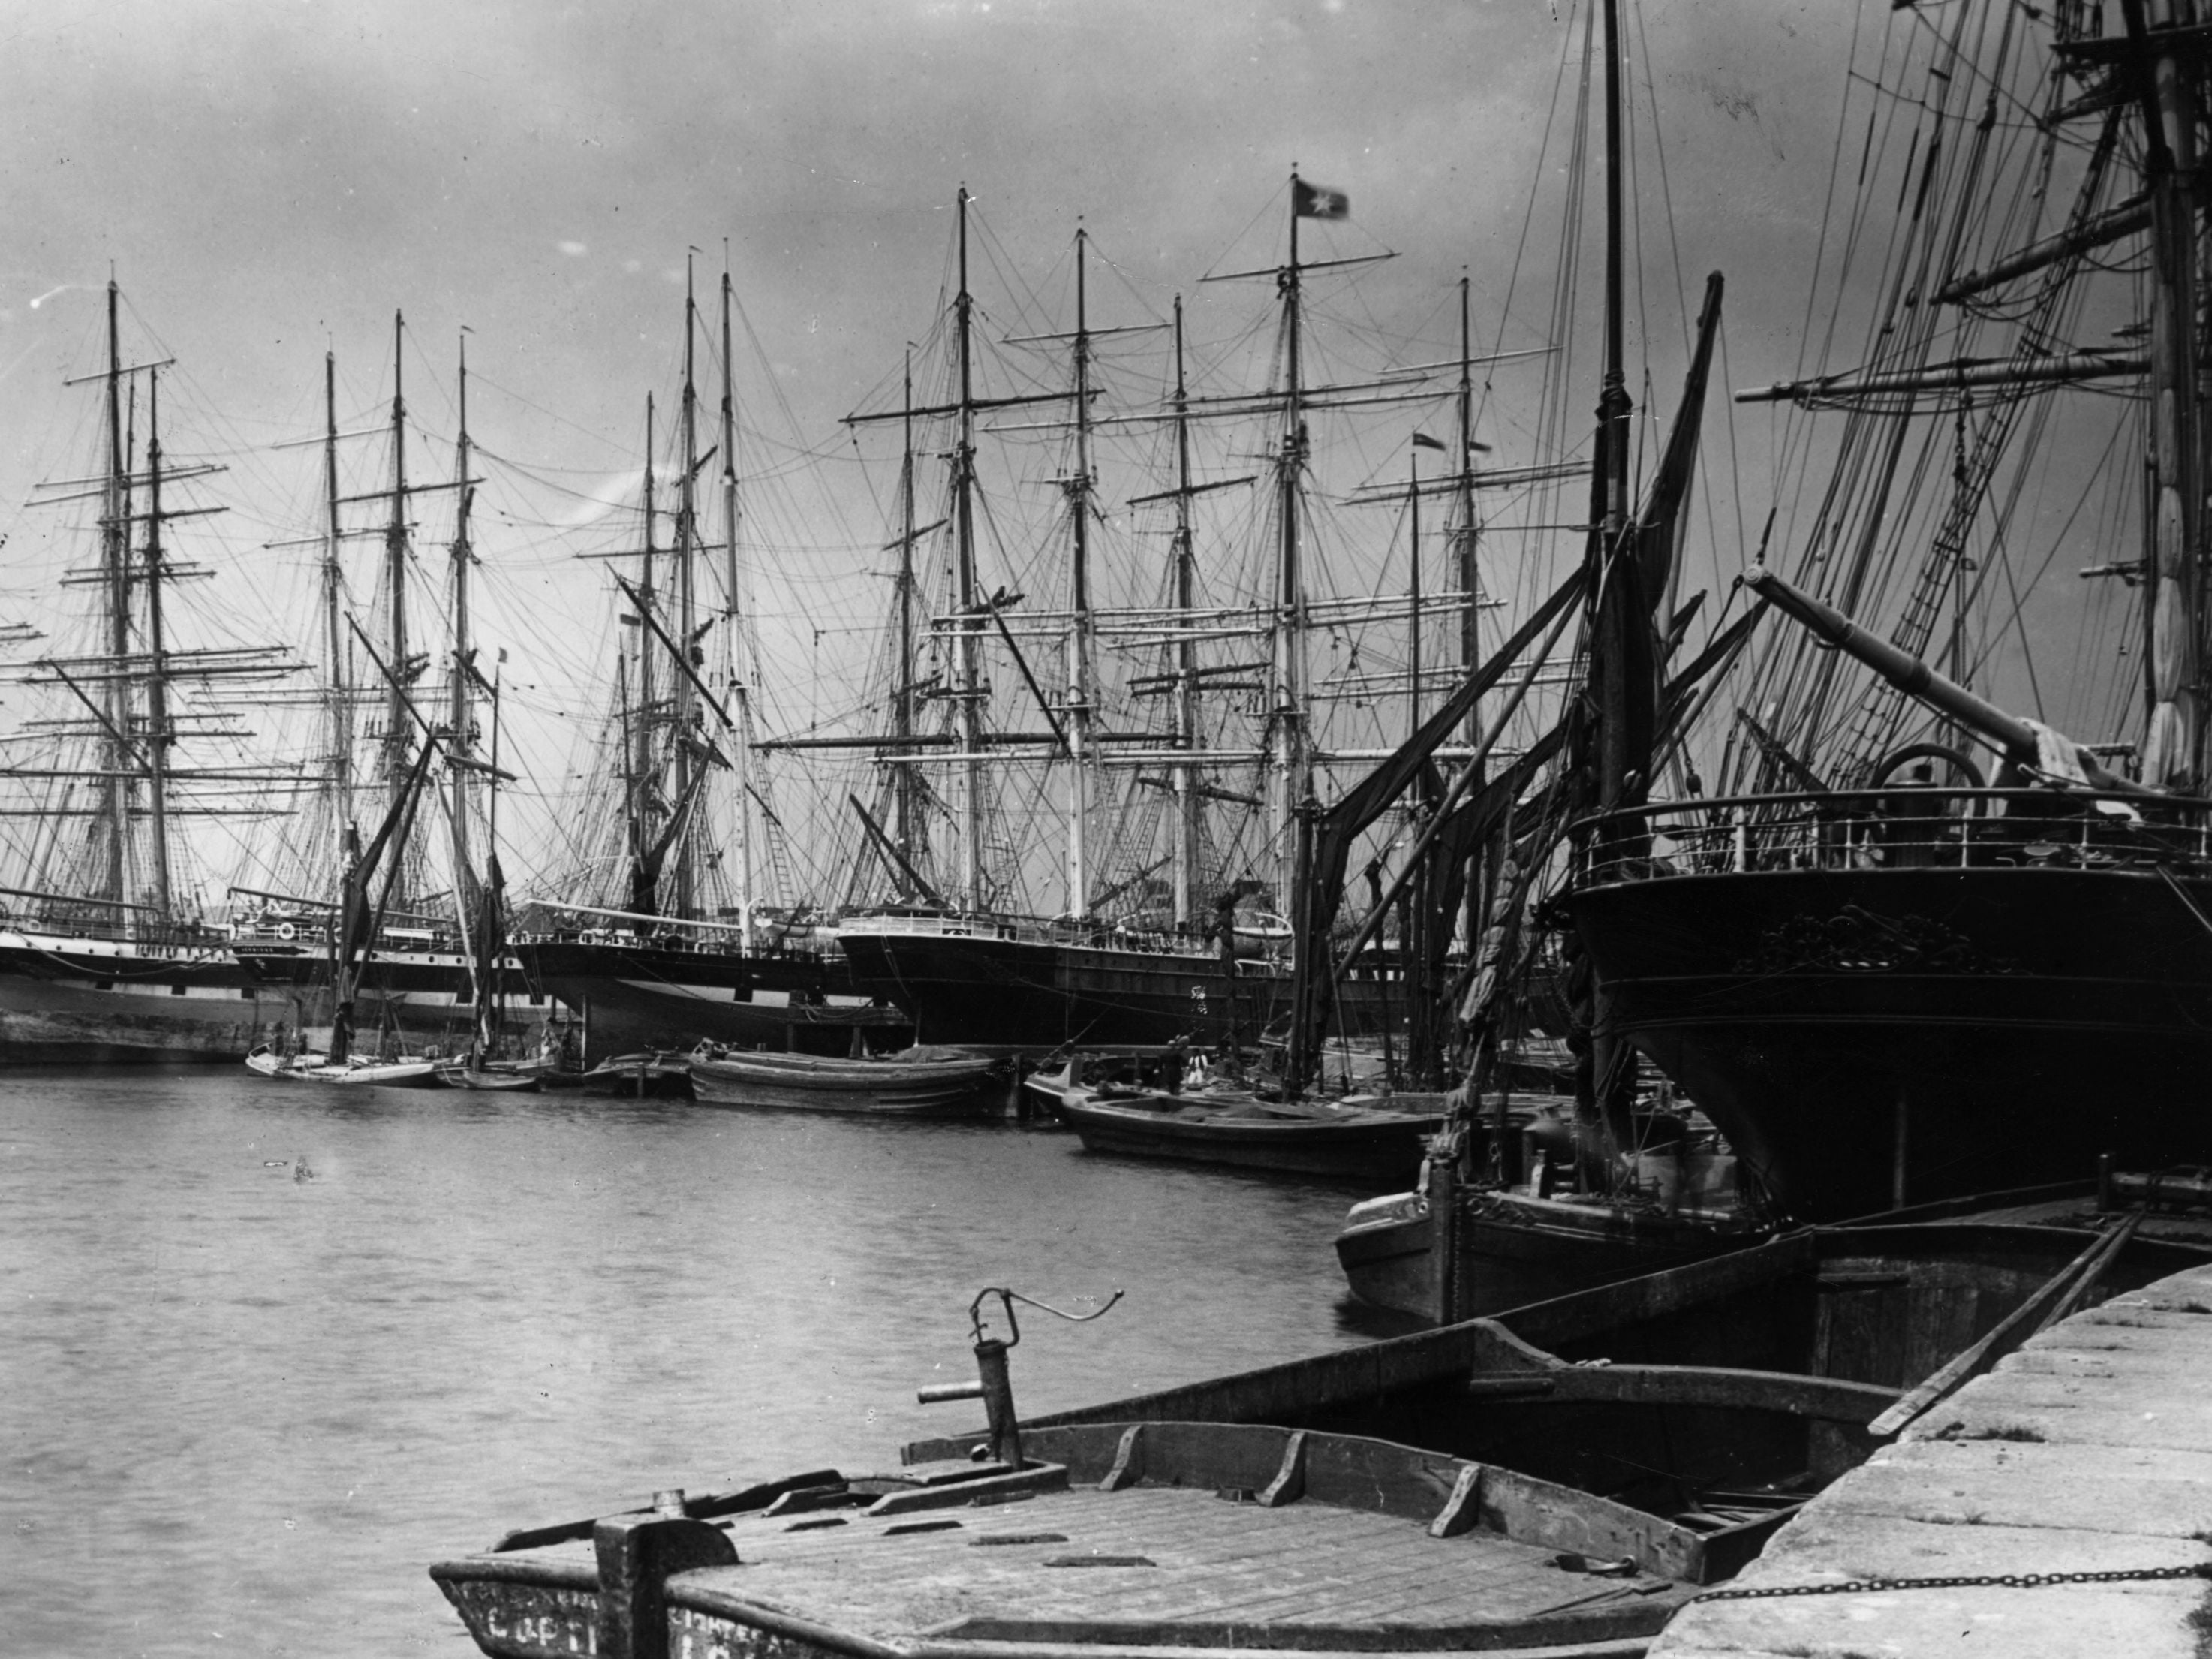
1611,1062
115,562
158,732
460,714
1413,594
2174,736
1470,643
904,816
681,738
645,886
1078,727
1286,715
395,719
967,667
1186,852
338,692
733,623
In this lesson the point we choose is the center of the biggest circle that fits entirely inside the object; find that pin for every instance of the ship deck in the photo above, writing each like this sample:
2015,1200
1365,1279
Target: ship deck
2089,1450
1145,1567
1149,1566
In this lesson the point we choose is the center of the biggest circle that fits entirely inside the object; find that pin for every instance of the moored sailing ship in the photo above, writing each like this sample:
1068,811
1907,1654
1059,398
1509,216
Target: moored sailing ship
673,946
1140,962
408,980
105,954
1915,944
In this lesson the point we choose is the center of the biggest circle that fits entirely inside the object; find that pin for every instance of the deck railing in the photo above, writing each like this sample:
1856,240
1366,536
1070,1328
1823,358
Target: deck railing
1895,828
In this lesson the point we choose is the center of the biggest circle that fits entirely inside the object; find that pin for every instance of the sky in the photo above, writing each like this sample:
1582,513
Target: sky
269,181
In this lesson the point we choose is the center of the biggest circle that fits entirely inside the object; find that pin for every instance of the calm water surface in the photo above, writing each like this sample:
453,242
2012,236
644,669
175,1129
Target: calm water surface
242,1411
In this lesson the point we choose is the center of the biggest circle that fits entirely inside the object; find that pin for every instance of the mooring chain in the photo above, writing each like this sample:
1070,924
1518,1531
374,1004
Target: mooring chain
1977,1580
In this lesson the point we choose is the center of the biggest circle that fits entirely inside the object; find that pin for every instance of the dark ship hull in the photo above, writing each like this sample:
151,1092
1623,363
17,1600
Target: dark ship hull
67,1001
638,997
1040,994
1864,1036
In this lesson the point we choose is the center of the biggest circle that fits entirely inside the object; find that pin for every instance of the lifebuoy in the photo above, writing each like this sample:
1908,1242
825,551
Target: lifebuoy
285,930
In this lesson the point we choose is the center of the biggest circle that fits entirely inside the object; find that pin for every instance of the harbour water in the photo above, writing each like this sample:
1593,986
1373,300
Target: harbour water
270,1349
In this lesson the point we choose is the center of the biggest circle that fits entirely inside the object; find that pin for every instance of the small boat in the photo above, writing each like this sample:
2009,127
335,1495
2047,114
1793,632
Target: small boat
1106,1537
359,1072
1363,1137
545,1071
915,1083
356,1071
1675,1201
492,1078
662,1073
266,1061
1113,1535
1041,1091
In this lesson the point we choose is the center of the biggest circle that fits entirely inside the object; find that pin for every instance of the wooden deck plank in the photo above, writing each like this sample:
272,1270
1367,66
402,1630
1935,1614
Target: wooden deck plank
1423,1596
1283,1549
1309,1558
2089,1450
1429,1591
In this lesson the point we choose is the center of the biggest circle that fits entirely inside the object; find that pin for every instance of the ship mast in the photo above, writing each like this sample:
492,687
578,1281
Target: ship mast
645,895
1287,762
338,692
905,816
967,641
1610,1088
460,714
115,561
158,733
1470,644
681,738
1611,483
2173,743
1079,488
1413,594
1186,684
732,626
397,764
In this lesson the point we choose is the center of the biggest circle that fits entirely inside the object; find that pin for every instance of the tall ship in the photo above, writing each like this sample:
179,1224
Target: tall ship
1151,762
663,935
112,947
1938,917
401,760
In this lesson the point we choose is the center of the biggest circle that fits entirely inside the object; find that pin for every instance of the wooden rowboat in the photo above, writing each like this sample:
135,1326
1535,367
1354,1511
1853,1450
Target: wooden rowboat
1365,1141
1511,1247
919,1083
460,1076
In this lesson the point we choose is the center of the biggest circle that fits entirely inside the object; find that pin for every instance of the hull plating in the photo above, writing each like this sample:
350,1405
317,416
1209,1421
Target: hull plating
1985,1027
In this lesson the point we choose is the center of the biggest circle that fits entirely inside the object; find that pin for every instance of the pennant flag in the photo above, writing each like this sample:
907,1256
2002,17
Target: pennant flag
1319,202
1422,441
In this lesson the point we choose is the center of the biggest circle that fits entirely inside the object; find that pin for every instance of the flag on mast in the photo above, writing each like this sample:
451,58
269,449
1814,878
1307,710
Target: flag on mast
1319,200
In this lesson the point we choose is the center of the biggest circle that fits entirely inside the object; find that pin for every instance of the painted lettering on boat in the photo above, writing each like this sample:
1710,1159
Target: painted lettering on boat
696,1635
536,1619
